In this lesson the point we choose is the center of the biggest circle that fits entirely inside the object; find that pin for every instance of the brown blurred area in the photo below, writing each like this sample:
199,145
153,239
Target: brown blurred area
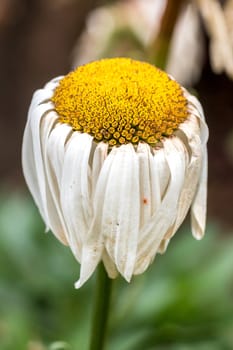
216,95
36,41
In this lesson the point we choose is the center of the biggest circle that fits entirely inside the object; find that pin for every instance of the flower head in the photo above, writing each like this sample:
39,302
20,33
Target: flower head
114,155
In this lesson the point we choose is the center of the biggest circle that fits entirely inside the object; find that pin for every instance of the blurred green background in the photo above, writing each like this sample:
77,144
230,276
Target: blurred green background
185,300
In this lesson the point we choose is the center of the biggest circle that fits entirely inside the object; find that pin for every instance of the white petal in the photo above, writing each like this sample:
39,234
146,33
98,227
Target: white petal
29,166
190,131
100,154
194,102
163,245
195,134
91,256
161,171
121,209
36,178
93,247
46,126
53,150
75,190
198,209
41,96
56,148
150,196
153,233
109,265
196,109
52,84
116,215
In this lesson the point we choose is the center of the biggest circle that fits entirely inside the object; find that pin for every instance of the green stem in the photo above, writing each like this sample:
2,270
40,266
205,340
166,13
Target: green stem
101,309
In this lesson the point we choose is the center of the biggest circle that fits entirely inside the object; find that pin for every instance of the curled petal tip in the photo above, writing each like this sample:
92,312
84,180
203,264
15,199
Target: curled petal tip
89,262
128,276
78,284
197,231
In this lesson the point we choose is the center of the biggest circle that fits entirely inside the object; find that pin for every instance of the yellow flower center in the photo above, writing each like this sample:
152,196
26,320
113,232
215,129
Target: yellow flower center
120,100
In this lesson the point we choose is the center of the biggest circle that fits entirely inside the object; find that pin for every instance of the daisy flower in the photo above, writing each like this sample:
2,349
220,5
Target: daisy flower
114,155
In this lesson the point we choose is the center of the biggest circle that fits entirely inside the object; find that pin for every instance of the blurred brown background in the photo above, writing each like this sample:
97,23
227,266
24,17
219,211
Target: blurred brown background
36,41
37,38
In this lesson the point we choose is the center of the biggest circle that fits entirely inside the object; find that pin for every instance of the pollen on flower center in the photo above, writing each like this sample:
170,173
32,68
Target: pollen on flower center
121,100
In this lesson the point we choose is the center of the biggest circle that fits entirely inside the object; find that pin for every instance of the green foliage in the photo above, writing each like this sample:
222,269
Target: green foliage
183,302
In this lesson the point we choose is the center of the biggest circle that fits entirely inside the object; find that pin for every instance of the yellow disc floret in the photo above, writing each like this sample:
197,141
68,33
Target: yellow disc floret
121,100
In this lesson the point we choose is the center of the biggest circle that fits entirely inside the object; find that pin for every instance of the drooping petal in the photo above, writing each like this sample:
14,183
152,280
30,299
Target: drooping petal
93,245
121,209
189,134
53,151
160,177
196,109
198,209
56,149
29,166
109,265
149,178
33,164
75,190
192,132
99,156
163,245
116,215
161,171
153,233
54,219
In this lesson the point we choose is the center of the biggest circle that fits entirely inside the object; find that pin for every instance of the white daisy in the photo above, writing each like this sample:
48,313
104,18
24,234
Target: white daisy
114,155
